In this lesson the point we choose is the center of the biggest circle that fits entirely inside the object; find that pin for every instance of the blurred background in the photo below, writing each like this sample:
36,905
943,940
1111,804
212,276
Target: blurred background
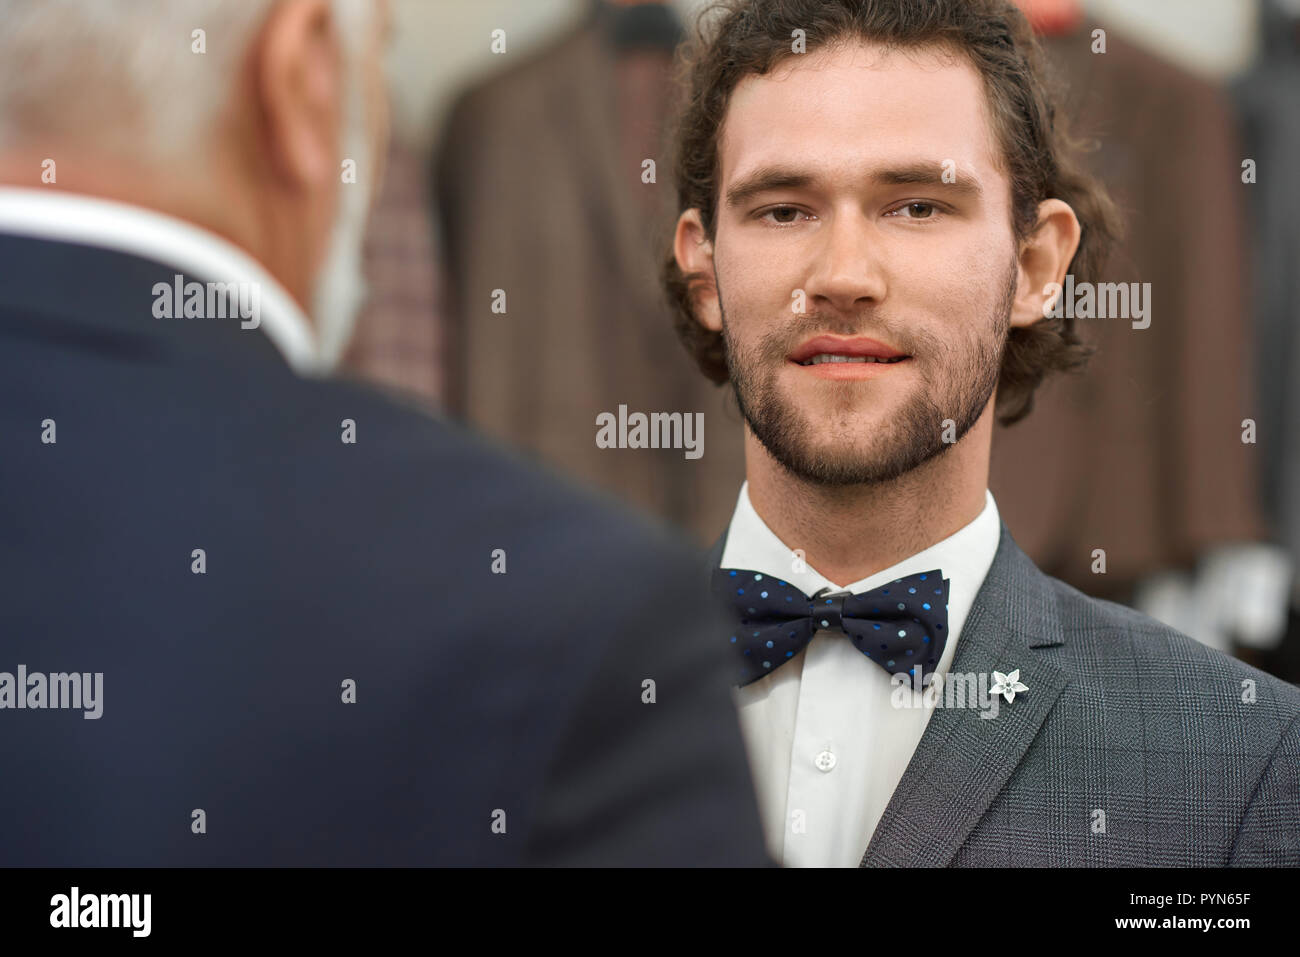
520,132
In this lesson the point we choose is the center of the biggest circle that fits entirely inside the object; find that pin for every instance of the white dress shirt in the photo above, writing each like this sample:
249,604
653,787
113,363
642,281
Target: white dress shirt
196,252
826,745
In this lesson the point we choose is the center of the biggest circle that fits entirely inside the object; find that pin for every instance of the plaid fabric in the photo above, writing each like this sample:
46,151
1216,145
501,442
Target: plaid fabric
1133,746
398,340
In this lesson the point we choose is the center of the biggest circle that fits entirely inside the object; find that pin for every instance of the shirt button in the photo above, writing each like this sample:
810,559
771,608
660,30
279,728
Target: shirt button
825,761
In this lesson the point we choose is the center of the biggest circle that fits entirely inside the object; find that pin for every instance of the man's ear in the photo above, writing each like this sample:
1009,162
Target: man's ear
1044,259
300,86
694,253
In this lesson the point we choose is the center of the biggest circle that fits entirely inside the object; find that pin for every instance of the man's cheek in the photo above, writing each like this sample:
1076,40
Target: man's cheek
759,279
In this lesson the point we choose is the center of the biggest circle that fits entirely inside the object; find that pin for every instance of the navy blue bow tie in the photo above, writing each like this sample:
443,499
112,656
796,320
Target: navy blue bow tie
902,626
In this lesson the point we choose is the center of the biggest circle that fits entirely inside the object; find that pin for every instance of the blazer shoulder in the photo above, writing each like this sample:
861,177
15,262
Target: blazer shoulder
415,460
1154,647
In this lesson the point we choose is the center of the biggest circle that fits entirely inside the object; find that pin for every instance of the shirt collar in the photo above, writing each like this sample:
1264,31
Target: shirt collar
91,221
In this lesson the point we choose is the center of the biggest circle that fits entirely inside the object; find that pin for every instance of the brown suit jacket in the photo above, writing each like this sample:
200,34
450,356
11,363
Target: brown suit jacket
1142,454
538,198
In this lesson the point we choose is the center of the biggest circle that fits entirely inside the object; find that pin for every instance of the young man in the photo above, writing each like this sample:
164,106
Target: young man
875,204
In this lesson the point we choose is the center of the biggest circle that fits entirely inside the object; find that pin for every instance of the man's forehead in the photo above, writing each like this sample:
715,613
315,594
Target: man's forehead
857,105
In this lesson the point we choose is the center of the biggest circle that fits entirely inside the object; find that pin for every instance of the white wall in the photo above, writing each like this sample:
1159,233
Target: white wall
1213,37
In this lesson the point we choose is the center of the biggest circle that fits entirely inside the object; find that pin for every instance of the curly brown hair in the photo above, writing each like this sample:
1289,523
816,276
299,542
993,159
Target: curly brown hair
735,38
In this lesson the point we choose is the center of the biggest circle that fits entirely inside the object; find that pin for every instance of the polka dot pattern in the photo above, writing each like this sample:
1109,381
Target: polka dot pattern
901,626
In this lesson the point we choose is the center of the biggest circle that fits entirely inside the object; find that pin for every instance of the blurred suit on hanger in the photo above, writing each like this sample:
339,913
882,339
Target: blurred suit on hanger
540,191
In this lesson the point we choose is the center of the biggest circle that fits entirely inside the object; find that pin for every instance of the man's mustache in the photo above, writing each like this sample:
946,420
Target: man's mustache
799,329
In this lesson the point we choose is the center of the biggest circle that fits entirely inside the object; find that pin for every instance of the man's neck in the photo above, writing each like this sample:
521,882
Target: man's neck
848,533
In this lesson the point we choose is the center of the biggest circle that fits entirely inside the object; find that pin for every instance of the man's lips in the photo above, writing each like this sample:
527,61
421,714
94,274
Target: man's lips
836,350
836,357
858,347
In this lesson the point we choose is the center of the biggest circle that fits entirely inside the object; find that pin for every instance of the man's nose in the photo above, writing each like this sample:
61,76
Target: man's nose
847,269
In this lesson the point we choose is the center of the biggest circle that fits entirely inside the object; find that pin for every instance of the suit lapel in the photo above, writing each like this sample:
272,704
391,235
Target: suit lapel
963,761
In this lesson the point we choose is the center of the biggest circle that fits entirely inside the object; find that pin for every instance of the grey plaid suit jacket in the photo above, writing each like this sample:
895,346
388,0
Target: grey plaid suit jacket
1135,745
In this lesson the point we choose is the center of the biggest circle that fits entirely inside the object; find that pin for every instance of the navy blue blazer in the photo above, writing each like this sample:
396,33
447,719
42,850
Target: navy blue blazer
573,710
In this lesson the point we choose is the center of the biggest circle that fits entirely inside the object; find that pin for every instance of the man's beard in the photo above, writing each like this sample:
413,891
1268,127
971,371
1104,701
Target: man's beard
959,391
339,288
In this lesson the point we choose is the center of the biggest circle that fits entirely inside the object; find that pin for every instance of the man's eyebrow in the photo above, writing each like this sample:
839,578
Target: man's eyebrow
927,174
763,179
767,178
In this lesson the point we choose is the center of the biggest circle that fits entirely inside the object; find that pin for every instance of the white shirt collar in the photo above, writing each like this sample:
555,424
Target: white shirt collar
964,557
91,221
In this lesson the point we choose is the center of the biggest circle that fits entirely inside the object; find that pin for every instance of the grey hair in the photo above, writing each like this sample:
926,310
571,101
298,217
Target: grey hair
126,73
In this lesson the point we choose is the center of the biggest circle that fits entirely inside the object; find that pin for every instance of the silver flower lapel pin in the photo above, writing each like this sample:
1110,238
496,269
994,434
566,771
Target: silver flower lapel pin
1007,685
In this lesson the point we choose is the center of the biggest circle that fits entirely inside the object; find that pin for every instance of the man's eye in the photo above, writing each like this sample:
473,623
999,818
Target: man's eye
784,215
917,210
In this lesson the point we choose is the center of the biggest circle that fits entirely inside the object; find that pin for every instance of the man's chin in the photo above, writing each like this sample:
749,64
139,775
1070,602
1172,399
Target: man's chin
832,471
839,448
835,414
